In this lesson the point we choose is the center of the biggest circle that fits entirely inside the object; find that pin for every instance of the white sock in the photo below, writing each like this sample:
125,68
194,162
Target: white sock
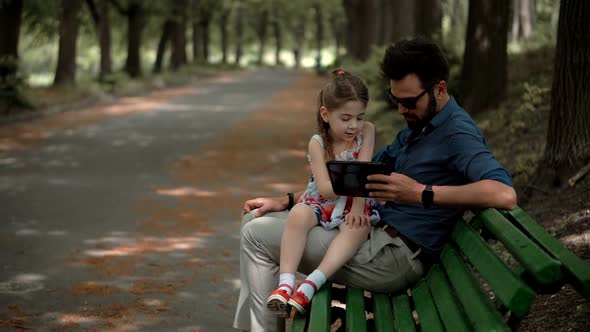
287,279
318,278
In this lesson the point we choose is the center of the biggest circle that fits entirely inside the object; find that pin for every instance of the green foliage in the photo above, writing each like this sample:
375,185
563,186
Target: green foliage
11,85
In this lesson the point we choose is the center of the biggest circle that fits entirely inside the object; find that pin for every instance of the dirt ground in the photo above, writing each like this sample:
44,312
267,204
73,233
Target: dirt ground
265,155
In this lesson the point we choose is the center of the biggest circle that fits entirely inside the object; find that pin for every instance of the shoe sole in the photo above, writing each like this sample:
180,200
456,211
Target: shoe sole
278,307
297,307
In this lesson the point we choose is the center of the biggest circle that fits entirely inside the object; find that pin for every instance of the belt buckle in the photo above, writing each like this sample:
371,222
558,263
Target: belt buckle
414,255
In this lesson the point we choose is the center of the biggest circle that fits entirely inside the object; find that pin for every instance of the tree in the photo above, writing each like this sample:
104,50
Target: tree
179,19
359,27
429,19
484,72
403,19
319,35
134,12
239,33
102,22
278,35
65,72
223,23
568,134
261,29
523,19
10,22
167,31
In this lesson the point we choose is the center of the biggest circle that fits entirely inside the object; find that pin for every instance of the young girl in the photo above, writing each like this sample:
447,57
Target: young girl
343,135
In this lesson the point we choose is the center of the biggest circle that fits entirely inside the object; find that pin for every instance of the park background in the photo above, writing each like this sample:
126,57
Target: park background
521,68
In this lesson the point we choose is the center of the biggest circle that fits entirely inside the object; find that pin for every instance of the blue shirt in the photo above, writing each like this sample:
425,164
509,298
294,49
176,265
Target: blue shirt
451,151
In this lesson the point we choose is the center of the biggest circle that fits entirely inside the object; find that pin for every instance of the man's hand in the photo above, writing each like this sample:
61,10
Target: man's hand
395,187
263,205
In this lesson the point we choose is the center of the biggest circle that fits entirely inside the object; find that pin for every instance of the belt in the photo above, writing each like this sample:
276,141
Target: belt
424,258
395,233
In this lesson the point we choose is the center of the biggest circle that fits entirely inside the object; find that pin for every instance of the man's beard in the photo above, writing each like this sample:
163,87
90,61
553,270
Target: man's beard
418,124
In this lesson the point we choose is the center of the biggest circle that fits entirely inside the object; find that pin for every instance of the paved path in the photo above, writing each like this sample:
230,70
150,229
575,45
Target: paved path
131,223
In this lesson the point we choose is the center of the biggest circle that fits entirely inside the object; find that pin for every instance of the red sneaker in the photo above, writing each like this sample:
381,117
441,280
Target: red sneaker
299,300
277,301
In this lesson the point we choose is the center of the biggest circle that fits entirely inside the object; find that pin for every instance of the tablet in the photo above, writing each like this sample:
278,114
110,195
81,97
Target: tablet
349,178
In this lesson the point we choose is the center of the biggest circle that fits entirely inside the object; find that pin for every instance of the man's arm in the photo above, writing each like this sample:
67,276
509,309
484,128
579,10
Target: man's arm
403,189
264,205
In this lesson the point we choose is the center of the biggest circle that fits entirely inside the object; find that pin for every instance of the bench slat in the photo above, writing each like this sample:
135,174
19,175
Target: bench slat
404,321
543,268
511,291
449,310
298,324
383,313
427,313
319,318
578,270
478,308
356,319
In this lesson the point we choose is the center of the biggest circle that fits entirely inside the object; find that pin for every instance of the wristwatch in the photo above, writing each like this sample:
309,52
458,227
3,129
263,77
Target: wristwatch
291,201
427,197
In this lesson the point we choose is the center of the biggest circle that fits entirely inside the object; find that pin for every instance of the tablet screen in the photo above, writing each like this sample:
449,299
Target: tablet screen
349,178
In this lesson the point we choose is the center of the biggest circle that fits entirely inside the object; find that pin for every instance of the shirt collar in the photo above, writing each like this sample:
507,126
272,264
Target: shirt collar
442,115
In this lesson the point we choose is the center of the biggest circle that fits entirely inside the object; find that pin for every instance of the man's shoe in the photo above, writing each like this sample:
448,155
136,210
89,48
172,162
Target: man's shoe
277,301
299,300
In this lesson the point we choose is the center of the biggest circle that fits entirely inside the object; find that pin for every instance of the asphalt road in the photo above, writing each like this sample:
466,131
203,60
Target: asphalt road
71,226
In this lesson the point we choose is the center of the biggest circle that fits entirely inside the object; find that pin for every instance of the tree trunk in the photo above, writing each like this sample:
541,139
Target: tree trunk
197,47
386,14
568,135
65,72
239,33
526,18
204,28
319,21
403,20
167,30
429,19
515,26
276,25
10,21
178,56
104,39
261,31
299,39
135,21
359,15
338,33
224,35
484,72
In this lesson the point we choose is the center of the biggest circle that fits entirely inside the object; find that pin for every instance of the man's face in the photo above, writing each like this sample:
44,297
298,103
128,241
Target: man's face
410,87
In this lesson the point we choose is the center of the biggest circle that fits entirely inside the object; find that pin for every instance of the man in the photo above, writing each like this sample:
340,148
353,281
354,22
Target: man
439,164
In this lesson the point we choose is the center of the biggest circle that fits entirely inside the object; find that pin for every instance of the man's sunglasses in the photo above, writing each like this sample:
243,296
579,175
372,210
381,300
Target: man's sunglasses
409,102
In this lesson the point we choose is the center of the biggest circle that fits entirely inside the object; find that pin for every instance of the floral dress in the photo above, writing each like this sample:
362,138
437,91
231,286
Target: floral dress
331,212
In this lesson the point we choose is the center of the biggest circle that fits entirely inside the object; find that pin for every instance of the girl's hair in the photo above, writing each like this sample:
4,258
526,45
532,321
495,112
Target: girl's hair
342,88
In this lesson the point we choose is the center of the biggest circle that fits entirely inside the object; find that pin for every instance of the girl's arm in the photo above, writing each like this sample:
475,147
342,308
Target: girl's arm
365,154
319,170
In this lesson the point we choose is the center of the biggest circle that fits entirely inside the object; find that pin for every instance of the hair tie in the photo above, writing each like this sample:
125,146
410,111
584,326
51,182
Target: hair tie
341,72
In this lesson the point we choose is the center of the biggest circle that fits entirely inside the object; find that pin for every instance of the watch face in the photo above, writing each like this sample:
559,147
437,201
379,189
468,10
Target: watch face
427,196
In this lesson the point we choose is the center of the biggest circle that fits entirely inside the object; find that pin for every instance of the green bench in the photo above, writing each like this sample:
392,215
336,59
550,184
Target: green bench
470,289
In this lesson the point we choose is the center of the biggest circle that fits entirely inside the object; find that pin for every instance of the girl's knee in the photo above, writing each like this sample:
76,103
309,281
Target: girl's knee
302,215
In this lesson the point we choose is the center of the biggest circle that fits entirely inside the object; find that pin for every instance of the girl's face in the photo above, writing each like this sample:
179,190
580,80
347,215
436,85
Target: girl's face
345,121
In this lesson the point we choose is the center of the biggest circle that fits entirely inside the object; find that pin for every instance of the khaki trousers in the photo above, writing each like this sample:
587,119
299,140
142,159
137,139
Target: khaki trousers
382,264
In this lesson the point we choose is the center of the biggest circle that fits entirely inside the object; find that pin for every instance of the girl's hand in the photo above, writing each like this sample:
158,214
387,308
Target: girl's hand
354,219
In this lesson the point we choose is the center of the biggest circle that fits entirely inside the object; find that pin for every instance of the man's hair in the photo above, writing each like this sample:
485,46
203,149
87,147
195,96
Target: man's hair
419,56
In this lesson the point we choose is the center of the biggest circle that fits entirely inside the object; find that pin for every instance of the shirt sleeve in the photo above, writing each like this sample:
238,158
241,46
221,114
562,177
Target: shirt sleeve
471,158
385,153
